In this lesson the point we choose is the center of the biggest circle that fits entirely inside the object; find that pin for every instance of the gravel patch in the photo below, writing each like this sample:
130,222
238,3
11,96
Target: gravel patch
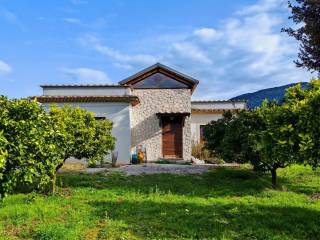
152,168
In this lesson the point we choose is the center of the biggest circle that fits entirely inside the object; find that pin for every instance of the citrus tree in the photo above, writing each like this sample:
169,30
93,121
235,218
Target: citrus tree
34,143
3,158
274,135
80,135
305,103
275,142
28,152
214,133
292,133
229,137
264,137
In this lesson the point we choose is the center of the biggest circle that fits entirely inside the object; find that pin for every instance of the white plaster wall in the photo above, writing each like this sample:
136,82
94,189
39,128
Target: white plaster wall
146,130
86,91
119,114
200,119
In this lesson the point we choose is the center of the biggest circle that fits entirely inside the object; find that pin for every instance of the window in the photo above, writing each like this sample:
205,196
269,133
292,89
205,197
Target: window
202,139
159,80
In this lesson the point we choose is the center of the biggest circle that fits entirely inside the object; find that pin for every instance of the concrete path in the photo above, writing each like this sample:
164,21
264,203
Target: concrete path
152,168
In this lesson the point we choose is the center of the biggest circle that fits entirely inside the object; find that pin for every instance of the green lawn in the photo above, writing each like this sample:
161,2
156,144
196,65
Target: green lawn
223,204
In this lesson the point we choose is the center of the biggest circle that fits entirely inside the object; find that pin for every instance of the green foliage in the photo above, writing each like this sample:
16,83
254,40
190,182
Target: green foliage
229,136
28,150
35,144
306,15
81,135
236,144
276,141
214,133
221,204
305,104
3,155
272,136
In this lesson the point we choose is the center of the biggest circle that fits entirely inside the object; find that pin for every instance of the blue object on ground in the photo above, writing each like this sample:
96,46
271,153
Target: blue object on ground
134,159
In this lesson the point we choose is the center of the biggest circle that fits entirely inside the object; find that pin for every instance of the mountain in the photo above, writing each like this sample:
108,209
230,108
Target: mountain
256,98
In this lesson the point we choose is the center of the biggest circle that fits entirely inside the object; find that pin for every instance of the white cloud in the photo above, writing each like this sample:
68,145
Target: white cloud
125,59
190,51
87,75
247,52
72,20
262,6
207,34
5,68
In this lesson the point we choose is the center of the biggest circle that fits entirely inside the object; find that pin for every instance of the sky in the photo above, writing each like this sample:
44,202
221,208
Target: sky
230,46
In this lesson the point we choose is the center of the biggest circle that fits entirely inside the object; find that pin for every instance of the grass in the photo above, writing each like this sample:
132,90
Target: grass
222,204
166,161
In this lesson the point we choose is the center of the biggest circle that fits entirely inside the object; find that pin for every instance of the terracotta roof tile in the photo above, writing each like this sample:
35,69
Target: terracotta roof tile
55,99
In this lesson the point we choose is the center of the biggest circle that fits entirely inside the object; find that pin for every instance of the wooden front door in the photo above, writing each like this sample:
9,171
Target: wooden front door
172,137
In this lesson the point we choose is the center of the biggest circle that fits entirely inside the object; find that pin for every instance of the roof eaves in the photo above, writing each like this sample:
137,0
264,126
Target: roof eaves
155,66
81,85
124,81
217,101
62,99
214,111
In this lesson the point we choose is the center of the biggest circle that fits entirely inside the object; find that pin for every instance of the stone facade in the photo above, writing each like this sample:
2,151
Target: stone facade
145,128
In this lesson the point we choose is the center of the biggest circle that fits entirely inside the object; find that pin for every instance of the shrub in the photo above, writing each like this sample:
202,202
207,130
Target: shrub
28,152
35,144
196,150
81,135
229,137
200,151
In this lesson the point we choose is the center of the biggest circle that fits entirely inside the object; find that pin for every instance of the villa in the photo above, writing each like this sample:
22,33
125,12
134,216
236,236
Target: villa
151,109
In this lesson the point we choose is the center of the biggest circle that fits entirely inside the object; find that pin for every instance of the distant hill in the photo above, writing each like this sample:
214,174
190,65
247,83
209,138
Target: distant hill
256,98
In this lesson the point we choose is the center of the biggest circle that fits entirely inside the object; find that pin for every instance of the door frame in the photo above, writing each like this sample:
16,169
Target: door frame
178,148
182,116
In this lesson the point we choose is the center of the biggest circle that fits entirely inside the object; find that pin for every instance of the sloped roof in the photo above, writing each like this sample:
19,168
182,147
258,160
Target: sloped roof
158,67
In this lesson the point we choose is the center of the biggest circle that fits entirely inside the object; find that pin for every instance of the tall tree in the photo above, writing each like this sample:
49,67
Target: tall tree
306,14
305,103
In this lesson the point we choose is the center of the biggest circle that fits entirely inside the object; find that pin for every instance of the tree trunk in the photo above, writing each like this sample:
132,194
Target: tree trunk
53,184
274,178
54,179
